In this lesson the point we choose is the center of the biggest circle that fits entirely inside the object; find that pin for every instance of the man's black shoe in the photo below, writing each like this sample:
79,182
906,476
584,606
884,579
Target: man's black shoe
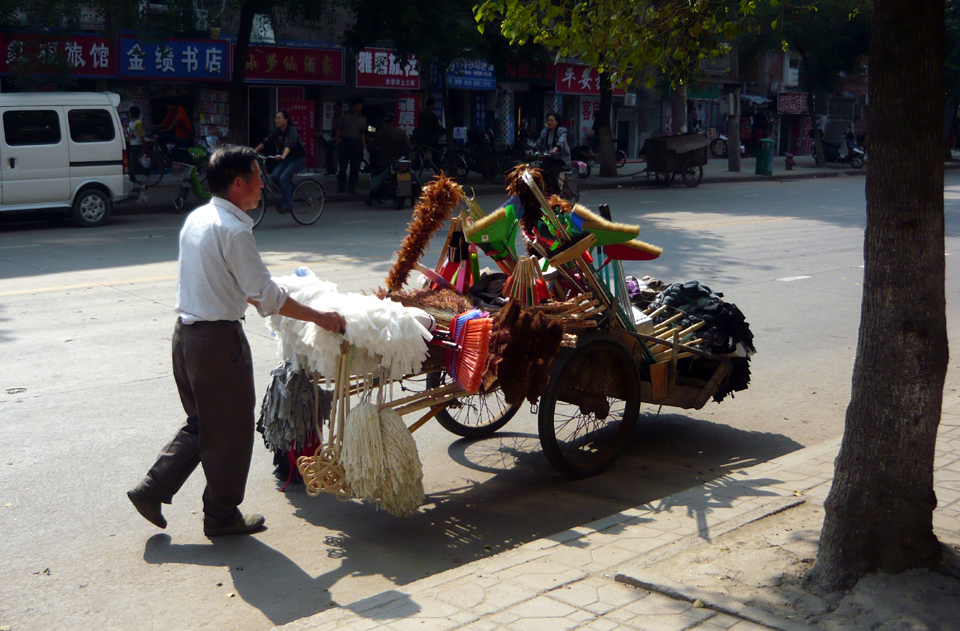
147,506
239,525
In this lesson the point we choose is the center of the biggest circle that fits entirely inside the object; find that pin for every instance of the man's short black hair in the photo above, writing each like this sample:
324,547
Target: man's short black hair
389,117
356,101
227,164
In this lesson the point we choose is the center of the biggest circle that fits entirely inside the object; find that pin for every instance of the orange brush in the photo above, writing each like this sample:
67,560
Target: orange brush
474,343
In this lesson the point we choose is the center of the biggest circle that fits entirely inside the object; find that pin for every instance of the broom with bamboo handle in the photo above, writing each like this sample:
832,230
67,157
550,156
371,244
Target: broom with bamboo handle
688,349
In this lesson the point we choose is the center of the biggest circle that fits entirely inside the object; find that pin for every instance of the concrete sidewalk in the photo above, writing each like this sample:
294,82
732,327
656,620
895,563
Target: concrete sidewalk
594,577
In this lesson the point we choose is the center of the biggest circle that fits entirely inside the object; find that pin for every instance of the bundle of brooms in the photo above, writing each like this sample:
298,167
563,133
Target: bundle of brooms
668,341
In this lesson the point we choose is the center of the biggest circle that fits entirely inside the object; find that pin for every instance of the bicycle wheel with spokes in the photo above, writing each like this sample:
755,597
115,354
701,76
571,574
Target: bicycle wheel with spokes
570,190
473,415
308,201
455,166
590,407
257,213
150,173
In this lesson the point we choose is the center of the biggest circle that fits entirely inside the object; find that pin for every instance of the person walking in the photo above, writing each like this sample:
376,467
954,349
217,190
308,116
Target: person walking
429,129
290,155
350,142
135,135
219,272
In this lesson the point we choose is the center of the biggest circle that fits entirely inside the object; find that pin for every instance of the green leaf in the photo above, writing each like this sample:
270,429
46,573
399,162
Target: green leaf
773,25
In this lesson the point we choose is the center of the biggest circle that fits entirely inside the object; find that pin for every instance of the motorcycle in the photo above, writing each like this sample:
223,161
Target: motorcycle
855,156
396,183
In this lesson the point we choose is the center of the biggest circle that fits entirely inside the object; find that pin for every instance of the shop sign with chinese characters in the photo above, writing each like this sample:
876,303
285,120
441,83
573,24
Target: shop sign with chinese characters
471,74
791,102
407,112
175,59
577,79
275,64
78,55
380,68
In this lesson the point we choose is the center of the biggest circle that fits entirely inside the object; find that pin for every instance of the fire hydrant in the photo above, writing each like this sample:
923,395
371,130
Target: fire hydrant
789,161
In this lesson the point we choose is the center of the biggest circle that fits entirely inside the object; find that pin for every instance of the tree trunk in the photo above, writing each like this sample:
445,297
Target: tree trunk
678,109
606,152
879,512
733,135
238,90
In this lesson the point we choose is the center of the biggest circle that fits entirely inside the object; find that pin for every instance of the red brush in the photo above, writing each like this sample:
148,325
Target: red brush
471,360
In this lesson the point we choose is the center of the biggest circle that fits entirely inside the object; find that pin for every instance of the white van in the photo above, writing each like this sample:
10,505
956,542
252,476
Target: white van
62,150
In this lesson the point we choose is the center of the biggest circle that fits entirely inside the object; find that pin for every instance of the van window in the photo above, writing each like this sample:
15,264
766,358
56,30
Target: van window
31,127
90,125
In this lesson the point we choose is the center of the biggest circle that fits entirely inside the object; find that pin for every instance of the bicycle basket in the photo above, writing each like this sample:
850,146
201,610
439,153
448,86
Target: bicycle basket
182,171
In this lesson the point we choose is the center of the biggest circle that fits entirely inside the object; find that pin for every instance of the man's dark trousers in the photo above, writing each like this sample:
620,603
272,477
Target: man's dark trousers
213,368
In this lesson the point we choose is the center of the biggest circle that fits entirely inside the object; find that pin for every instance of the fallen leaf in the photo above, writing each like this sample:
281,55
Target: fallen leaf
698,604
231,595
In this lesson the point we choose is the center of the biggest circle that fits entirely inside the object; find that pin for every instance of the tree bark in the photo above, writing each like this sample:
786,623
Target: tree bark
879,512
606,152
678,109
239,108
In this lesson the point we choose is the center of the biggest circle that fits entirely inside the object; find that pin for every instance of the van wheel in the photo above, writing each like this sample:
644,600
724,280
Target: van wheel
91,208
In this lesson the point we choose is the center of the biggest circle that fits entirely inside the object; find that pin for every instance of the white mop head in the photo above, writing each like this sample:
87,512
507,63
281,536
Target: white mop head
402,491
362,455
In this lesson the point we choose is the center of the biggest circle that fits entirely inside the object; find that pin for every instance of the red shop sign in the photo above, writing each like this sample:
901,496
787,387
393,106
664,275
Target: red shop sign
80,55
380,68
792,102
577,79
275,64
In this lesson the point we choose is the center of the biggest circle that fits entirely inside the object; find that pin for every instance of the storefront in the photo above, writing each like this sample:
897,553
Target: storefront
794,124
296,79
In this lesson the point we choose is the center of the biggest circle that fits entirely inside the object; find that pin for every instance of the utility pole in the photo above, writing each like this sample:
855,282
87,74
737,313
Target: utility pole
733,122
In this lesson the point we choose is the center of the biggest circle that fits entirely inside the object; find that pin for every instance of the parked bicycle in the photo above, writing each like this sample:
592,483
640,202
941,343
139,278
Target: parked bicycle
189,183
149,170
437,160
309,197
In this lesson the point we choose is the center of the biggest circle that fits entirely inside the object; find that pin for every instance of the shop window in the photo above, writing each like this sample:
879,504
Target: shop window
31,127
90,125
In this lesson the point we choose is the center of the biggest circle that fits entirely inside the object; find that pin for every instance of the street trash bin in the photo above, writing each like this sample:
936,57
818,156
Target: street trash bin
765,157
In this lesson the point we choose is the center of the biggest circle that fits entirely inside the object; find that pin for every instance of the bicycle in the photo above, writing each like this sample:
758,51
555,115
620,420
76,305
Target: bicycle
451,162
189,181
153,163
308,197
569,187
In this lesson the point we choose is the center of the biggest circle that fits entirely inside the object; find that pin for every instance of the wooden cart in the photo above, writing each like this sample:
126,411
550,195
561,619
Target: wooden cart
681,155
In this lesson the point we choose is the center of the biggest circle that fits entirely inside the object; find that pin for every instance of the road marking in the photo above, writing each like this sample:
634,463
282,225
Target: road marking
113,284
15,247
792,278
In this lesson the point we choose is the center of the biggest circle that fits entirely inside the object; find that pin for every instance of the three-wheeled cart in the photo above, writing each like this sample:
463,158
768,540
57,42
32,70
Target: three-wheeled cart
605,368
680,155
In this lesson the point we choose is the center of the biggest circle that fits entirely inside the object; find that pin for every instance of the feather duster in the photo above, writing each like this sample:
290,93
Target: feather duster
559,204
516,186
440,197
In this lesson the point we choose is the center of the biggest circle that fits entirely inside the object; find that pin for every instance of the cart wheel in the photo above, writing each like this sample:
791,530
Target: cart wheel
473,415
663,178
589,408
692,175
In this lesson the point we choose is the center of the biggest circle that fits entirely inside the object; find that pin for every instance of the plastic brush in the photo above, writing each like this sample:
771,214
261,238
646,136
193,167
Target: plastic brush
471,360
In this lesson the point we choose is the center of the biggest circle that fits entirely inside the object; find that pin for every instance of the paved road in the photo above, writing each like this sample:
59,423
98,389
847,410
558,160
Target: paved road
86,400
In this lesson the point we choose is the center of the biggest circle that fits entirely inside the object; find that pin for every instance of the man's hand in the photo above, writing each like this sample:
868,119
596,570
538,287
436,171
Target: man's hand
331,321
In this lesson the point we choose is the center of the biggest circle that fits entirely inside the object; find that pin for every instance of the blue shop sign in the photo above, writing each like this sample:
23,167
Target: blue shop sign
175,59
470,74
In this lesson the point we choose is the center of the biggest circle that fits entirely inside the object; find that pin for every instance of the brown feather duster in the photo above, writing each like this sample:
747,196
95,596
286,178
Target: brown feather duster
516,186
559,204
440,198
